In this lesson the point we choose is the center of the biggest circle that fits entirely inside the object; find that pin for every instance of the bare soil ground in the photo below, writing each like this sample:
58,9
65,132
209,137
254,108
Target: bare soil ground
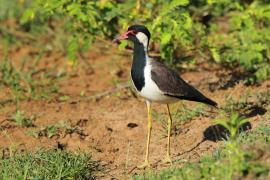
113,127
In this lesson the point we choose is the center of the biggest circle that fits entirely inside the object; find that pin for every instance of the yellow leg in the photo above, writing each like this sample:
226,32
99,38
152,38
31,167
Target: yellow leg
168,155
146,161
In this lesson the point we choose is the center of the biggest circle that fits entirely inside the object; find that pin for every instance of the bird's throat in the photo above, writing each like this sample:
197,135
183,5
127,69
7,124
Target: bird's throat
139,62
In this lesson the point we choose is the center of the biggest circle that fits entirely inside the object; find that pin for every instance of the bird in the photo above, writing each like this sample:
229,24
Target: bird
157,83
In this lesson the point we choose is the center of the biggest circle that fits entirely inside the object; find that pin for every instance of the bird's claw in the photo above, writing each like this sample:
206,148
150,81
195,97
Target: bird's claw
145,165
167,159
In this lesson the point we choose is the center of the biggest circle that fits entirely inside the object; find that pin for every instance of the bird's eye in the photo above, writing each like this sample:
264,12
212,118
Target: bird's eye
134,32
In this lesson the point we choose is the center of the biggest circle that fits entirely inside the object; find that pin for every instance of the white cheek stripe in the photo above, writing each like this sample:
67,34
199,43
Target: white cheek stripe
142,38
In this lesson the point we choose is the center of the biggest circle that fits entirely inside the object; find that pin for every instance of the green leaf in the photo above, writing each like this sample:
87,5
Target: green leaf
165,38
72,50
215,55
28,15
176,3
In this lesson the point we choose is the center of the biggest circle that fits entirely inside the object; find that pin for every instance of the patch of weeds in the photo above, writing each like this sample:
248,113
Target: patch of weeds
117,94
64,98
60,129
10,77
186,114
19,118
232,123
262,133
40,83
163,119
181,115
82,93
47,131
41,88
241,104
48,164
158,116
30,84
246,157
248,102
10,9
68,128
263,98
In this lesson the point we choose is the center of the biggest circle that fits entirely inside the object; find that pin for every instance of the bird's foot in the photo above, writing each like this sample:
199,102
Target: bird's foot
167,159
145,165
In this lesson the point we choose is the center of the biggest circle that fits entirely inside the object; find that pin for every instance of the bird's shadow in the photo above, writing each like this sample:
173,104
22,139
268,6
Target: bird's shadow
218,133
254,111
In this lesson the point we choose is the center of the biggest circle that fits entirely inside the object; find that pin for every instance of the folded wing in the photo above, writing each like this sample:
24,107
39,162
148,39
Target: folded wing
171,84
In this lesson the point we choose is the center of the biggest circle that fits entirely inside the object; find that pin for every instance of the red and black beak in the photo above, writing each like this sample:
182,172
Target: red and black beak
124,36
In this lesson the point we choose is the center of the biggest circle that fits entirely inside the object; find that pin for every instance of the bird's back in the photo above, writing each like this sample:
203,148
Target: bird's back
171,84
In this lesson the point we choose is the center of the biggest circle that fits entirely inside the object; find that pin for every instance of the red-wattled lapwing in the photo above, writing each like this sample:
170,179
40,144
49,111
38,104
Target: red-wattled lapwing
156,82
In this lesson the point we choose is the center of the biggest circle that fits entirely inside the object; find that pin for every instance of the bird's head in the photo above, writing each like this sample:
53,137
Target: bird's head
137,34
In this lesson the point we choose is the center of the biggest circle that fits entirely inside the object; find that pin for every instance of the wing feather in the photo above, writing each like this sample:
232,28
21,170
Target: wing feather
171,84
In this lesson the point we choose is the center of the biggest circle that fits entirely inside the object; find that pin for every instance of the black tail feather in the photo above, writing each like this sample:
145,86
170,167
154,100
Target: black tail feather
210,102
201,99
204,100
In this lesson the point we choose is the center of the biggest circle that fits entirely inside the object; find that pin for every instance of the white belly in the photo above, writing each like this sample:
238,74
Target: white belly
155,96
151,92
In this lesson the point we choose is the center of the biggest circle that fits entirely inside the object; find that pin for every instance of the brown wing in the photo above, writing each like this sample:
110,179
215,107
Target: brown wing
171,84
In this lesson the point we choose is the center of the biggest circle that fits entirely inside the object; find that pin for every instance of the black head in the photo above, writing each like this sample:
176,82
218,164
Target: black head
137,34
140,28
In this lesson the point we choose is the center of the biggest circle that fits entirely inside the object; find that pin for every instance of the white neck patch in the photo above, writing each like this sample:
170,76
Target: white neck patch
142,38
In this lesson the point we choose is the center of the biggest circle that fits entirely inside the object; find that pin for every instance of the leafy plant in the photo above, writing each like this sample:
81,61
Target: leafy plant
169,21
239,105
47,131
246,42
30,83
234,33
247,156
10,77
21,119
59,129
232,124
185,114
10,9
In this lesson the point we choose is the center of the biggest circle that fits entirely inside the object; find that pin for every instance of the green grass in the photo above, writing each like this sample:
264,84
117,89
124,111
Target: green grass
59,129
245,157
247,102
232,123
19,118
180,114
48,164
186,114
32,83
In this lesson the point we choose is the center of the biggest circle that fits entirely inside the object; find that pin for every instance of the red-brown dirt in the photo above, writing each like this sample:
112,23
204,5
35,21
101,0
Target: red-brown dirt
103,122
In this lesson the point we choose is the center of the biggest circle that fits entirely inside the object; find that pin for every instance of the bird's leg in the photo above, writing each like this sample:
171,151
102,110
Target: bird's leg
146,161
168,155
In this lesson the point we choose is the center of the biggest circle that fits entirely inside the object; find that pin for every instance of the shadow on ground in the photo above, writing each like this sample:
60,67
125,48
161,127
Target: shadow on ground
255,110
218,133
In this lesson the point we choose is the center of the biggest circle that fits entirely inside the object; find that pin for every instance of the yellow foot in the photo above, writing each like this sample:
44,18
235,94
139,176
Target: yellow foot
146,164
167,159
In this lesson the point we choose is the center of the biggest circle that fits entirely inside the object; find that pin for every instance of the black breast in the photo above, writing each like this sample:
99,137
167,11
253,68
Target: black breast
139,62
